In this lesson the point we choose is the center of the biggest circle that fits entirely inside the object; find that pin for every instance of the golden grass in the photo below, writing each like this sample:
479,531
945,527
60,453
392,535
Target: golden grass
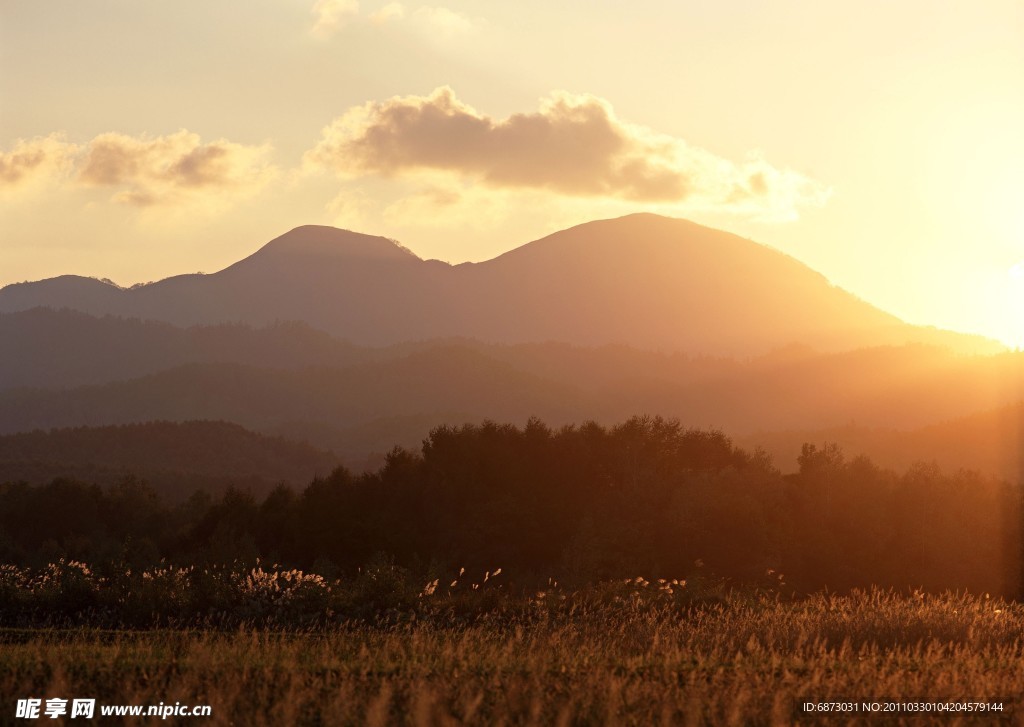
741,662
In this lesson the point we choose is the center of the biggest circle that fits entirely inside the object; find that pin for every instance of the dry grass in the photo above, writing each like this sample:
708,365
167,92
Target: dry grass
741,662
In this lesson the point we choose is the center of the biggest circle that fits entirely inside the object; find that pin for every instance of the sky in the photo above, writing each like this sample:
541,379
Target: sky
877,142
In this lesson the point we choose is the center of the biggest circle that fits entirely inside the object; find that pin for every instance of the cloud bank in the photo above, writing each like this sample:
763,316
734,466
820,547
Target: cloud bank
573,145
167,169
143,171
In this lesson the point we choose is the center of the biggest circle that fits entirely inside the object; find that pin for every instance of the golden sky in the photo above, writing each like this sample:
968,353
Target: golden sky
878,142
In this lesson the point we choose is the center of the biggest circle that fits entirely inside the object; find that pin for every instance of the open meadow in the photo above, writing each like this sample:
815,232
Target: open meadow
617,654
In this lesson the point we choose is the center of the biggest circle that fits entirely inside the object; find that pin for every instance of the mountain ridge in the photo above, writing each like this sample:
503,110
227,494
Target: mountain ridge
641,280
325,241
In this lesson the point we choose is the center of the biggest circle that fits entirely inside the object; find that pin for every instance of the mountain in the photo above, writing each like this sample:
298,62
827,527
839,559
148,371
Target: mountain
641,280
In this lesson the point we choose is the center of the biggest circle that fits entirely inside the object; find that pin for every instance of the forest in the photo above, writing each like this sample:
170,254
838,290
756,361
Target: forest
579,505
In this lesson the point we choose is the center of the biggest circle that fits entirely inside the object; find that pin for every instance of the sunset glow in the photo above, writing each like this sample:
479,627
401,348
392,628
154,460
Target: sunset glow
879,144
512,363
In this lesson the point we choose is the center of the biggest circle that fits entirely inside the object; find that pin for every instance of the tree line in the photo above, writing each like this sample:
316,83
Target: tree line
580,503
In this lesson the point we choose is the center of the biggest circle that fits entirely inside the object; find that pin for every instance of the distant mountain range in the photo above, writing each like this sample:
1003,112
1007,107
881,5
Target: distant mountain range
67,369
645,281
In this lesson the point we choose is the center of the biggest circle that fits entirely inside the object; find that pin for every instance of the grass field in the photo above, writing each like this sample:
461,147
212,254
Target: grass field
741,661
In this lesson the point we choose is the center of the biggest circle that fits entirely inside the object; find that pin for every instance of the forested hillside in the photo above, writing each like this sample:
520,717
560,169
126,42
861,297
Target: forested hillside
578,504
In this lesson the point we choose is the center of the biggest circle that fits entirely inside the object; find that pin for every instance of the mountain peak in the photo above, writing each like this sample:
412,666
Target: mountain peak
332,242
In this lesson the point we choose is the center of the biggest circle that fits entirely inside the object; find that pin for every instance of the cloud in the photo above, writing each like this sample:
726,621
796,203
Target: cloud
34,161
390,13
330,16
143,171
573,145
173,168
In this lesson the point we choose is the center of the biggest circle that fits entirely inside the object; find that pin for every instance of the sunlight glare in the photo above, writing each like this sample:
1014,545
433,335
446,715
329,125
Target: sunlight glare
1015,312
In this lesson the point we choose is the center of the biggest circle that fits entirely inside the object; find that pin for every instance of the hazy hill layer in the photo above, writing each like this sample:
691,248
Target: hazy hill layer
990,441
65,348
404,391
176,458
60,349
440,382
642,280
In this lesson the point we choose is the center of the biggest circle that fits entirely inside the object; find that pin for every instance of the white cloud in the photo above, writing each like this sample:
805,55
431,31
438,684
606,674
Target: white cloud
174,168
34,162
573,146
330,16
